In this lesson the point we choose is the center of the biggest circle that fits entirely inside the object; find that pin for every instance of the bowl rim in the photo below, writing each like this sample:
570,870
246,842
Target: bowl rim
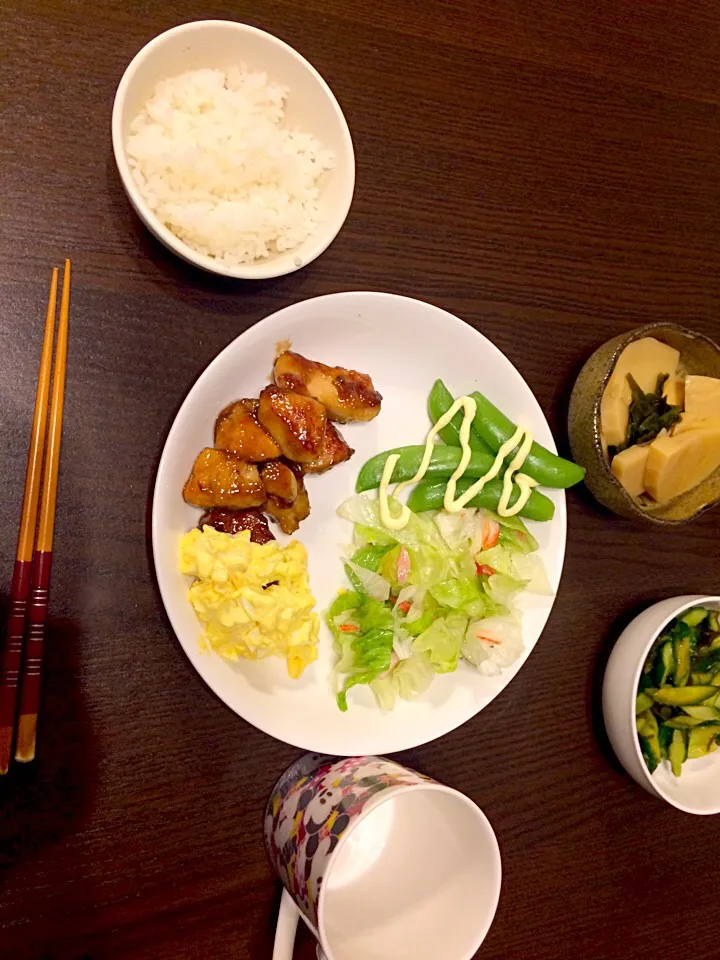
623,340
698,600
261,269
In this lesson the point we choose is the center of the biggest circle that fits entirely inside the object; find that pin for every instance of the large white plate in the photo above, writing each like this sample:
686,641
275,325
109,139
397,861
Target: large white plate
404,345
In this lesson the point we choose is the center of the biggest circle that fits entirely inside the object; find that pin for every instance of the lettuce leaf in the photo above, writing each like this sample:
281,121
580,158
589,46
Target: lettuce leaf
514,534
388,566
370,555
367,652
465,594
372,583
413,676
531,569
385,690
526,569
432,560
372,536
345,600
415,627
442,641
407,680
501,588
457,529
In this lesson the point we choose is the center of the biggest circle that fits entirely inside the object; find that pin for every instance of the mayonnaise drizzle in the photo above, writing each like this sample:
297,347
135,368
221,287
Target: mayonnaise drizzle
451,505
522,439
386,518
401,520
524,483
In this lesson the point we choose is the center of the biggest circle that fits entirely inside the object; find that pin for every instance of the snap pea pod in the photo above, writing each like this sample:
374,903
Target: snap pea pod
443,463
545,467
439,402
429,495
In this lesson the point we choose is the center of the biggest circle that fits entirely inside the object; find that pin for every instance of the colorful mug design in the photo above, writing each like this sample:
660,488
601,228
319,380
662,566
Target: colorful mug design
352,884
310,809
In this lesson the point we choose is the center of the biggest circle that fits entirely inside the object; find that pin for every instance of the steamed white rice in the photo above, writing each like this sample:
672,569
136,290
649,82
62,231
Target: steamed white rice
214,161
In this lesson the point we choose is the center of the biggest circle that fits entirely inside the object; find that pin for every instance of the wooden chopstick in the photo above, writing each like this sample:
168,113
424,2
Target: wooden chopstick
42,561
20,590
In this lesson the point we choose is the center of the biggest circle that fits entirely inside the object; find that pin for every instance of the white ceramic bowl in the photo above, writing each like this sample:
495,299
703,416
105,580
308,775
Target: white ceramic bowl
311,107
698,789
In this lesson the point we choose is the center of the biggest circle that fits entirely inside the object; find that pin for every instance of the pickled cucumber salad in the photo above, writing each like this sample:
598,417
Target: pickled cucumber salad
678,702
429,588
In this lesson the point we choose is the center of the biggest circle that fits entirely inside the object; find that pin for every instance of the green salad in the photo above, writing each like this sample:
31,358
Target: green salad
423,598
678,701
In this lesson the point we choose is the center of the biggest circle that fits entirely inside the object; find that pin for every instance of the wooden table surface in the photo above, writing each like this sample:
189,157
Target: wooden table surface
549,172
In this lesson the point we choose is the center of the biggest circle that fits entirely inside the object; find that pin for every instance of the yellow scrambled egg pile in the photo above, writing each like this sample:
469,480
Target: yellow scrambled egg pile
253,599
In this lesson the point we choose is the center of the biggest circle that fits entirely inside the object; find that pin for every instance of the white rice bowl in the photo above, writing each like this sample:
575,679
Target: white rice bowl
214,162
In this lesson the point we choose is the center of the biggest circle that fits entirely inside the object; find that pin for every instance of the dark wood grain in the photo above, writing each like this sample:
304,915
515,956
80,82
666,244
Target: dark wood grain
550,173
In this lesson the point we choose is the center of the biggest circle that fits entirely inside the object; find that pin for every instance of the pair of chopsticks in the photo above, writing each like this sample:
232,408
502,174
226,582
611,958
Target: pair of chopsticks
31,576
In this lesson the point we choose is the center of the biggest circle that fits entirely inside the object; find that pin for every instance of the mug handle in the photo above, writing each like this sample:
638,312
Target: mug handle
286,928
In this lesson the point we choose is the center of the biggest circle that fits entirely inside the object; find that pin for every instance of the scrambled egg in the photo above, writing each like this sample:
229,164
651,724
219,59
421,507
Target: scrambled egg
253,599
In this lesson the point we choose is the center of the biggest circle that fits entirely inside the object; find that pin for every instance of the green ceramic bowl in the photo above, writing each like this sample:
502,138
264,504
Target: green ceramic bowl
698,355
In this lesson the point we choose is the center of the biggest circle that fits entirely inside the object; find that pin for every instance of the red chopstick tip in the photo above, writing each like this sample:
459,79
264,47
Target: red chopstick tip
27,727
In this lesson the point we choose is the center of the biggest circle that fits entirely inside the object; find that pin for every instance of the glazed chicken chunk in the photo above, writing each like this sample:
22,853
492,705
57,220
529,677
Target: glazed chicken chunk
289,516
296,423
233,521
280,481
346,394
335,450
222,479
237,429
287,512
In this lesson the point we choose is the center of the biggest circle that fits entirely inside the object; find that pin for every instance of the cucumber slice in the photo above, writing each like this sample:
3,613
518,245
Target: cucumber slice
683,696
665,664
703,712
678,751
646,724
665,735
641,725
644,701
700,738
648,753
684,723
649,742
714,620
694,617
701,678
681,654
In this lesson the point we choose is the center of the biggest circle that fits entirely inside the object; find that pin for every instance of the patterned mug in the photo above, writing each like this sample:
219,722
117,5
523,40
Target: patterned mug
381,862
